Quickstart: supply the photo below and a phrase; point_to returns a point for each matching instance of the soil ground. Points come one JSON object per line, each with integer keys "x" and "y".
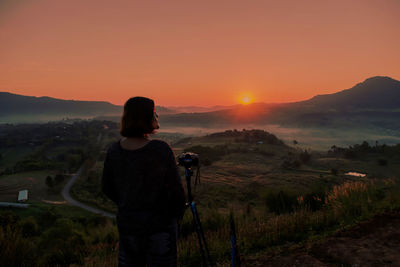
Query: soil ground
{"x": 372, "y": 243}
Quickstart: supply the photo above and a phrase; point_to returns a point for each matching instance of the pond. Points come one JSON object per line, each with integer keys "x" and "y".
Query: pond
{"x": 357, "y": 174}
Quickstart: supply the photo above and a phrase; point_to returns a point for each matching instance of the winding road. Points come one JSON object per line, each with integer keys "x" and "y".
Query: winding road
{"x": 69, "y": 199}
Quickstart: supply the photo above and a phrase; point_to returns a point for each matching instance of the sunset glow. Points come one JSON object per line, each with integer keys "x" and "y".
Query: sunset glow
{"x": 246, "y": 100}
{"x": 183, "y": 52}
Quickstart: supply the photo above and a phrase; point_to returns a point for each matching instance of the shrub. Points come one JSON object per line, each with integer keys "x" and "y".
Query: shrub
{"x": 314, "y": 201}
{"x": 49, "y": 182}
{"x": 15, "y": 250}
{"x": 29, "y": 227}
{"x": 353, "y": 199}
{"x": 280, "y": 201}
{"x": 63, "y": 244}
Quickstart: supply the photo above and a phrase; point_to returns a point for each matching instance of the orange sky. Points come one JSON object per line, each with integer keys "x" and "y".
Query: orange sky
{"x": 195, "y": 52}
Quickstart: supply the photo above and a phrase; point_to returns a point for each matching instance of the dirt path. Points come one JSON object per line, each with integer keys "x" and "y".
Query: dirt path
{"x": 372, "y": 243}
{"x": 69, "y": 199}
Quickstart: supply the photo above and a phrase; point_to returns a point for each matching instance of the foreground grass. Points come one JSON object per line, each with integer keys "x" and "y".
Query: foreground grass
{"x": 290, "y": 212}
{"x": 46, "y": 235}
{"x": 266, "y": 221}
{"x": 343, "y": 206}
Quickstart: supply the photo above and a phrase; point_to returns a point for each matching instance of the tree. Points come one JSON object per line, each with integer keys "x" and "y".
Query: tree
{"x": 305, "y": 157}
{"x": 49, "y": 181}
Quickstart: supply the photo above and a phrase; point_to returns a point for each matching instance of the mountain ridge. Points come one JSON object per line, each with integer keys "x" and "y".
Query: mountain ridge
{"x": 374, "y": 93}
{"x": 16, "y": 106}
{"x": 363, "y": 95}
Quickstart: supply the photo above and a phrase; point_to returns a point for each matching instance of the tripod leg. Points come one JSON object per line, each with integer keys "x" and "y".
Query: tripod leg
{"x": 199, "y": 229}
{"x": 199, "y": 237}
{"x": 200, "y": 234}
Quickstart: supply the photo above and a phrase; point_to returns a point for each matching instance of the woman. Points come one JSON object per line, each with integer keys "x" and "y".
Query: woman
{"x": 141, "y": 176}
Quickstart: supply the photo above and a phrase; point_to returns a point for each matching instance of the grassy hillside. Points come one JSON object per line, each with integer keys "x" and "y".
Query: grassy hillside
{"x": 281, "y": 196}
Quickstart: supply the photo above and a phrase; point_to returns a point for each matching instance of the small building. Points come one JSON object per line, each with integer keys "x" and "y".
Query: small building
{"x": 23, "y": 196}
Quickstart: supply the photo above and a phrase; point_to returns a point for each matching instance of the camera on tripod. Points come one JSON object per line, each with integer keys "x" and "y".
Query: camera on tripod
{"x": 188, "y": 159}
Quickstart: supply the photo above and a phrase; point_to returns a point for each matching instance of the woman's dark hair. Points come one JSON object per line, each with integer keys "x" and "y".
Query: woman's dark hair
{"x": 137, "y": 119}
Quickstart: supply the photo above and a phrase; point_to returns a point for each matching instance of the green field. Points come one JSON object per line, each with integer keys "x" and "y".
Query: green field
{"x": 281, "y": 195}
{"x": 10, "y": 156}
{"x": 237, "y": 172}
{"x": 34, "y": 182}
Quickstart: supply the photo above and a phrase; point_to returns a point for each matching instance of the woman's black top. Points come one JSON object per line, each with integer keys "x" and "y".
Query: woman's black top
{"x": 145, "y": 185}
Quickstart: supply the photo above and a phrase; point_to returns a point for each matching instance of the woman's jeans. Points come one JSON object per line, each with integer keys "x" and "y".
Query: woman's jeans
{"x": 156, "y": 249}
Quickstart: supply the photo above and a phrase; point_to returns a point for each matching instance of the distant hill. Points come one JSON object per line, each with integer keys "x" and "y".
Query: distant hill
{"x": 376, "y": 102}
{"x": 253, "y": 136}
{"x": 374, "y": 93}
{"x": 20, "y": 108}
{"x": 372, "y": 103}
{"x": 20, "y": 104}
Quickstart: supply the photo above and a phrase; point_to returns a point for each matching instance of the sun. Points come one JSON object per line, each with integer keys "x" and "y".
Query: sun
{"x": 245, "y": 99}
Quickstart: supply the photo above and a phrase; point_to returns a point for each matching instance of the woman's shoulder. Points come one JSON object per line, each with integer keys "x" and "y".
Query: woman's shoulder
{"x": 162, "y": 149}
{"x": 161, "y": 145}
{"x": 114, "y": 146}
{"x": 155, "y": 150}
{"x": 114, "y": 149}
{"x": 157, "y": 144}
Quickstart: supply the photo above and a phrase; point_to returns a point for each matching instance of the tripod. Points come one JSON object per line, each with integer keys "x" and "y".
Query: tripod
{"x": 205, "y": 254}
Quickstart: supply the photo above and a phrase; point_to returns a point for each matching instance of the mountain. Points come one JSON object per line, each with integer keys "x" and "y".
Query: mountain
{"x": 12, "y": 104}
{"x": 20, "y": 108}
{"x": 374, "y": 102}
{"x": 374, "y": 93}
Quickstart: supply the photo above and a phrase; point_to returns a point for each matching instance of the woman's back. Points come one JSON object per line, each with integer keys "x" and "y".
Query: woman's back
{"x": 145, "y": 185}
